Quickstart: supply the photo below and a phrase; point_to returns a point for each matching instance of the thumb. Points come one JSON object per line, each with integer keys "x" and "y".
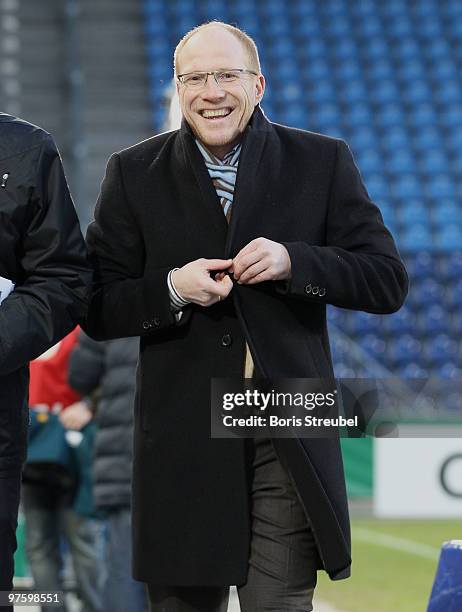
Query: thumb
{"x": 226, "y": 284}
{"x": 217, "y": 264}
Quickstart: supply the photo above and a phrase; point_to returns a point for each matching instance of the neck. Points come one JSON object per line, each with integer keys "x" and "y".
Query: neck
{"x": 220, "y": 151}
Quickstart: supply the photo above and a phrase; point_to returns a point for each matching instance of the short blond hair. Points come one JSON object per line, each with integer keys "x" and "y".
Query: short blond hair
{"x": 247, "y": 42}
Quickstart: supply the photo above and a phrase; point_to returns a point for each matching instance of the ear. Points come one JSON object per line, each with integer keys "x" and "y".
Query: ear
{"x": 260, "y": 88}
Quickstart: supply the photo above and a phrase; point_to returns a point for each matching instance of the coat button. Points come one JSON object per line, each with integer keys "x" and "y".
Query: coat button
{"x": 322, "y": 292}
{"x": 146, "y": 325}
{"x": 156, "y": 322}
{"x": 307, "y": 288}
{"x": 226, "y": 340}
{"x": 315, "y": 290}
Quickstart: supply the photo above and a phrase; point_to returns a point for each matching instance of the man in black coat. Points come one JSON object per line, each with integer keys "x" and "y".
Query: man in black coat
{"x": 44, "y": 279}
{"x": 220, "y": 244}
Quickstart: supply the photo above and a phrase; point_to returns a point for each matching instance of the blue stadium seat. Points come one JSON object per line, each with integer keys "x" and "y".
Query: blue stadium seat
{"x": 338, "y": 28}
{"x": 279, "y": 31}
{"x": 363, "y": 136}
{"x": 412, "y": 370}
{"x": 404, "y": 349}
{"x": 451, "y": 370}
{"x": 449, "y": 238}
{"x": 369, "y": 27}
{"x": 456, "y": 323}
{"x": 447, "y": 93}
{"x": 400, "y": 162}
{"x": 275, "y": 9}
{"x": 454, "y": 296}
{"x": 378, "y": 71}
{"x": 440, "y": 186}
{"x": 446, "y": 212}
{"x": 358, "y": 114}
{"x": 427, "y": 292}
{"x": 385, "y": 91}
{"x": 416, "y": 91}
{"x": 433, "y": 320}
{"x": 401, "y": 322}
{"x": 406, "y": 186}
{"x": 440, "y": 349}
{"x": 436, "y": 50}
{"x": 433, "y": 160}
{"x": 421, "y": 265}
{"x": 395, "y": 137}
{"x": 359, "y": 323}
{"x": 427, "y": 138}
{"x": 423, "y": 114}
{"x": 389, "y": 115}
{"x": 364, "y": 8}
{"x": 411, "y": 70}
{"x": 374, "y": 345}
{"x": 450, "y": 265}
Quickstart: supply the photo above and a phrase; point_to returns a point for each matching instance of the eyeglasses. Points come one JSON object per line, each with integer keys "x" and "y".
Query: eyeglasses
{"x": 197, "y": 80}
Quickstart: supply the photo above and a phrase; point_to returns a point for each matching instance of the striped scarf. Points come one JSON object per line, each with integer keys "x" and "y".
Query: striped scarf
{"x": 223, "y": 174}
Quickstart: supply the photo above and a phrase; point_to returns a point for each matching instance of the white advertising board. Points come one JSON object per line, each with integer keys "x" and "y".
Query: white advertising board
{"x": 418, "y": 477}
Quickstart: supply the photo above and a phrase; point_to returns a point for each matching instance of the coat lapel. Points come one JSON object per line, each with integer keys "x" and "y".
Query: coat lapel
{"x": 207, "y": 209}
{"x": 256, "y": 174}
{"x": 257, "y": 170}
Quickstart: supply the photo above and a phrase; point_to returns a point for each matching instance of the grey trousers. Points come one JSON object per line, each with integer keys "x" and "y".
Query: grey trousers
{"x": 283, "y": 555}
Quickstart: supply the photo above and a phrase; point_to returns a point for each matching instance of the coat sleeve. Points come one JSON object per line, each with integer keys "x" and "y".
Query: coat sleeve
{"x": 51, "y": 297}
{"x": 127, "y": 299}
{"x": 86, "y": 365}
{"x": 359, "y": 267}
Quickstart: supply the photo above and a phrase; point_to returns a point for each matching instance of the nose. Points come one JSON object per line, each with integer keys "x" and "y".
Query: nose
{"x": 212, "y": 90}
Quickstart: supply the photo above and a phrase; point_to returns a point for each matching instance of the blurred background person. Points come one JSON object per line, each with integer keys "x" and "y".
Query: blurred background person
{"x": 109, "y": 368}
{"x": 53, "y": 480}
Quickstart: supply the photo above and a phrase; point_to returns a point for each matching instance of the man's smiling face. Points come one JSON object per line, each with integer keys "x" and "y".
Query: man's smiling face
{"x": 218, "y": 114}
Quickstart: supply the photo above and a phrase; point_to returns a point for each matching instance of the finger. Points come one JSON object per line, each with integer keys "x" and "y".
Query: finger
{"x": 226, "y": 285}
{"x": 259, "y": 278}
{"x": 213, "y": 289}
{"x": 251, "y": 246}
{"x": 246, "y": 262}
{"x": 252, "y": 271}
{"x": 217, "y": 264}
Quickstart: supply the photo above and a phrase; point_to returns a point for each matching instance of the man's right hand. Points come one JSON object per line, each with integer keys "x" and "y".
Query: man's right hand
{"x": 194, "y": 283}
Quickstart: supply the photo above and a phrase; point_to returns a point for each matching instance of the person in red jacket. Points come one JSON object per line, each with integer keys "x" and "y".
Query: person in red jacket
{"x": 48, "y": 388}
{"x": 47, "y": 499}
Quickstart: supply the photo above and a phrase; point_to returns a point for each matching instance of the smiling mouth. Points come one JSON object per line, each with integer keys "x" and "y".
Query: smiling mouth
{"x": 213, "y": 114}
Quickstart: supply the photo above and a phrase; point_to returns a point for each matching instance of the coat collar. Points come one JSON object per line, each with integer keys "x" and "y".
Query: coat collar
{"x": 246, "y": 194}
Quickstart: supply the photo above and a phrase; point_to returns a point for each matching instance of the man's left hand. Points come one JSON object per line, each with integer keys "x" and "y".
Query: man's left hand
{"x": 261, "y": 260}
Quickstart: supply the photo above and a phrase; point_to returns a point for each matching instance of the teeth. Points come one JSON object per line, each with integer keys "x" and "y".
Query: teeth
{"x": 221, "y": 112}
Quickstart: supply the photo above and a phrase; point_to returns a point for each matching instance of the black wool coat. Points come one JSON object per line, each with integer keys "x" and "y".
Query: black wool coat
{"x": 157, "y": 210}
{"x": 42, "y": 251}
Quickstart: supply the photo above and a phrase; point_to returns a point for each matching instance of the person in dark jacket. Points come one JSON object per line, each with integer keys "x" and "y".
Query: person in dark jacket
{"x": 220, "y": 244}
{"x": 109, "y": 369}
{"x": 44, "y": 281}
